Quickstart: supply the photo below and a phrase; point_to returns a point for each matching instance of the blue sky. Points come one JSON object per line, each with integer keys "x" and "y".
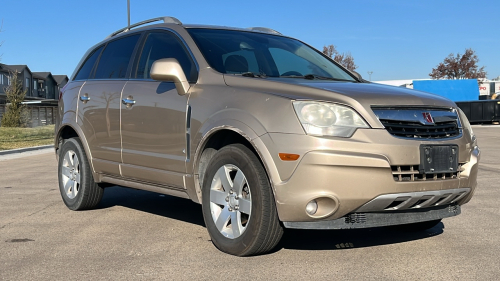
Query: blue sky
{"x": 396, "y": 39}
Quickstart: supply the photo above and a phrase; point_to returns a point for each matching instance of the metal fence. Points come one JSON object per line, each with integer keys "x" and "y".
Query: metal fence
{"x": 38, "y": 115}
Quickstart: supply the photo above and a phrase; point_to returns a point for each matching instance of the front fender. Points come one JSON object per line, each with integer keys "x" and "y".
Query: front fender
{"x": 232, "y": 120}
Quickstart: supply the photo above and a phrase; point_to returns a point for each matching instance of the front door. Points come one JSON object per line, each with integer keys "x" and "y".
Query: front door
{"x": 153, "y": 116}
{"x": 153, "y": 133}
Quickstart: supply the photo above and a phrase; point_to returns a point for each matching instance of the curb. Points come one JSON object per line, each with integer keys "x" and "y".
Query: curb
{"x": 26, "y": 149}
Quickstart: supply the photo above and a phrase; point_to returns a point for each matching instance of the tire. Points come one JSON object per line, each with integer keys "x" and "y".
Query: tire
{"x": 76, "y": 182}
{"x": 416, "y": 227}
{"x": 241, "y": 220}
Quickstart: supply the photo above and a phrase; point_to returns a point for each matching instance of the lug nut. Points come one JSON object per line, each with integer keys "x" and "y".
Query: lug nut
{"x": 230, "y": 209}
{"x": 231, "y": 191}
{"x": 236, "y": 207}
{"x": 227, "y": 199}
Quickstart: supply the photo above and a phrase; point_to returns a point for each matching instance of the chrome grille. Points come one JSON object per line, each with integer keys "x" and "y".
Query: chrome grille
{"x": 420, "y": 123}
{"x": 411, "y": 173}
{"x": 416, "y": 130}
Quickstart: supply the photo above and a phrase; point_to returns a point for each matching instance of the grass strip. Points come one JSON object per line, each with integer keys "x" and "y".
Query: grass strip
{"x": 13, "y": 138}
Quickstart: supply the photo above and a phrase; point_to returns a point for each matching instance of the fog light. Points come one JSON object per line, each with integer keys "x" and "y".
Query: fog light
{"x": 312, "y": 207}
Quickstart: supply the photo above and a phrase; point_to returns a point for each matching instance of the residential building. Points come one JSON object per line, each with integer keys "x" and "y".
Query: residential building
{"x": 42, "y": 92}
{"x": 24, "y": 75}
{"x": 45, "y": 85}
{"x": 61, "y": 80}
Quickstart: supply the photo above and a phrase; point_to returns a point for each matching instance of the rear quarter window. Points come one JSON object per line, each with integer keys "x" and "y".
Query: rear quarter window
{"x": 88, "y": 66}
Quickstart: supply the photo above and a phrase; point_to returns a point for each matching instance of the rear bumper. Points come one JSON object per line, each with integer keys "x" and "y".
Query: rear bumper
{"x": 367, "y": 220}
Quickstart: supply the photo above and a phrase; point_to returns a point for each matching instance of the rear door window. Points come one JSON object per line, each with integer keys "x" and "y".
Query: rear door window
{"x": 115, "y": 58}
{"x": 88, "y": 66}
{"x": 160, "y": 45}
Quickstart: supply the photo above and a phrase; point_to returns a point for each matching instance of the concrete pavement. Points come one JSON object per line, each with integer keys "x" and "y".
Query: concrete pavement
{"x": 138, "y": 235}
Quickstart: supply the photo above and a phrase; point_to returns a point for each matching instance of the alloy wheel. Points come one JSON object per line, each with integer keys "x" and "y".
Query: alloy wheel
{"x": 70, "y": 171}
{"x": 230, "y": 201}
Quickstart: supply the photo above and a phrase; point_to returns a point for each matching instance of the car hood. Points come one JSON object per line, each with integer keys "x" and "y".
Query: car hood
{"x": 378, "y": 94}
{"x": 371, "y": 94}
{"x": 360, "y": 96}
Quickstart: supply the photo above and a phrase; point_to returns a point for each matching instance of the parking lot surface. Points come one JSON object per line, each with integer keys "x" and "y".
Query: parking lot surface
{"x": 139, "y": 235}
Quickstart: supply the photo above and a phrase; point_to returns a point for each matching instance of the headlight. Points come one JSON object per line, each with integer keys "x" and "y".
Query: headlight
{"x": 328, "y": 119}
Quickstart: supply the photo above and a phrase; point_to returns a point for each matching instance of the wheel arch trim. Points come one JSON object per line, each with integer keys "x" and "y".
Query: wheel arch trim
{"x": 248, "y": 134}
{"x": 83, "y": 140}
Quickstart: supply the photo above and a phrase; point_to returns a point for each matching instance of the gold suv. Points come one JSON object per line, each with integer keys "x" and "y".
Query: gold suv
{"x": 263, "y": 130}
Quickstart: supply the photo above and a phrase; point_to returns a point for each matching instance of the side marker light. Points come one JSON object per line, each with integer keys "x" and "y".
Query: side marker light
{"x": 289, "y": 156}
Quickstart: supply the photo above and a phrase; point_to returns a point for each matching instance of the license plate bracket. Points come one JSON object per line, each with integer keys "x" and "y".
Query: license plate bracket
{"x": 438, "y": 159}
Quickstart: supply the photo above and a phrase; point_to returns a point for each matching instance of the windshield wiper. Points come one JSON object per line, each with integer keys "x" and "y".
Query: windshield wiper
{"x": 251, "y": 74}
{"x": 314, "y": 76}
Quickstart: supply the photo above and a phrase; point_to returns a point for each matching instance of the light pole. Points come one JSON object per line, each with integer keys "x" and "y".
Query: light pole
{"x": 370, "y": 75}
{"x": 128, "y": 13}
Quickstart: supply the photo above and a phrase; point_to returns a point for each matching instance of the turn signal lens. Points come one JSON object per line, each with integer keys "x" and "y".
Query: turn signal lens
{"x": 289, "y": 156}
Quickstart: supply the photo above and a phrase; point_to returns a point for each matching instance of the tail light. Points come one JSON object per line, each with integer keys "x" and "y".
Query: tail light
{"x": 61, "y": 91}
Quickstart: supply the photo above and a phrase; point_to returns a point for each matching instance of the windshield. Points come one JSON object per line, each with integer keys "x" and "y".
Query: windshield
{"x": 240, "y": 52}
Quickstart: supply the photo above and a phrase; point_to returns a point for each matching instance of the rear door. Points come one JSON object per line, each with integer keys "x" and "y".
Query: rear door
{"x": 154, "y": 120}
{"x": 99, "y": 104}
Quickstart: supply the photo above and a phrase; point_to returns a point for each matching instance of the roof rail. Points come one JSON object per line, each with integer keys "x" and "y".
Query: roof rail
{"x": 264, "y": 30}
{"x": 164, "y": 19}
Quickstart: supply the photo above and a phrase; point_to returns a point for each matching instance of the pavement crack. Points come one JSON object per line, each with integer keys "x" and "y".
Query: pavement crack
{"x": 43, "y": 209}
{"x": 5, "y": 225}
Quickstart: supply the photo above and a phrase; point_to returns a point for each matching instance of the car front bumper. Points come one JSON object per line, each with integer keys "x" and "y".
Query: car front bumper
{"x": 345, "y": 174}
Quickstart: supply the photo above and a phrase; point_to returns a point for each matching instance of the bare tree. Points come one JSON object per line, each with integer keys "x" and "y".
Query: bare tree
{"x": 459, "y": 67}
{"x": 344, "y": 59}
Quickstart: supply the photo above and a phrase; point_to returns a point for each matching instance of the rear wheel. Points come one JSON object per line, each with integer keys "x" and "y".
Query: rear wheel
{"x": 238, "y": 203}
{"x": 76, "y": 183}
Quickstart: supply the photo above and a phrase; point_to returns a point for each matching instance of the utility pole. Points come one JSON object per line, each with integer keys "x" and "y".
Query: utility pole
{"x": 370, "y": 75}
{"x": 128, "y": 13}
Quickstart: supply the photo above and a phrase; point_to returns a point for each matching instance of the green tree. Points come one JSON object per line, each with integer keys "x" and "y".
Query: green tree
{"x": 16, "y": 113}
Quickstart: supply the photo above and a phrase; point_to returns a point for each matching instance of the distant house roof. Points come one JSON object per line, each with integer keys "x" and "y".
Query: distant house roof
{"x": 60, "y": 79}
{"x": 18, "y": 68}
{"x": 42, "y": 75}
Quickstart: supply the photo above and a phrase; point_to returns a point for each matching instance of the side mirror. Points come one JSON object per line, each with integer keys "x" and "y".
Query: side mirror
{"x": 170, "y": 70}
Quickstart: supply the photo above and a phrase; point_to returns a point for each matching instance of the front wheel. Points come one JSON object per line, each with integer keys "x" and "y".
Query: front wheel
{"x": 238, "y": 203}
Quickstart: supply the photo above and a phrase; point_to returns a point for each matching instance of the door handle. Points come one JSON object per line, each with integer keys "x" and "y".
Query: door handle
{"x": 129, "y": 101}
{"x": 85, "y": 98}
